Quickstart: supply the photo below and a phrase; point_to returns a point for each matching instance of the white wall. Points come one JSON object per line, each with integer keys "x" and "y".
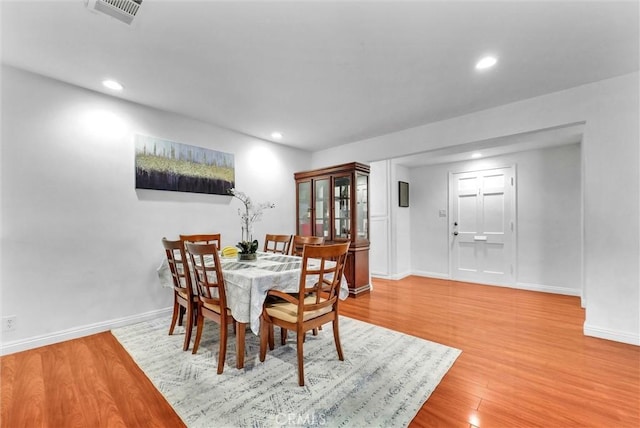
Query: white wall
{"x": 548, "y": 217}
{"x": 401, "y": 231}
{"x": 611, "y": 182}
{"x": 430, "y": 242}
{"x": 390, "y": 251}
{"x": 67, "y": 184}
{"x": 379, "y": 219}
{"x": 80, "y": 246}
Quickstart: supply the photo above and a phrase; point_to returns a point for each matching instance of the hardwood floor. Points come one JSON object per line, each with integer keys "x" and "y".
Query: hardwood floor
{"x": 87, "y": 382}
{"x": 524, "y": 362}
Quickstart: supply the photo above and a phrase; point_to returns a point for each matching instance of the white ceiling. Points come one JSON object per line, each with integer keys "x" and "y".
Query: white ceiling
{"x": 325, "y": 73}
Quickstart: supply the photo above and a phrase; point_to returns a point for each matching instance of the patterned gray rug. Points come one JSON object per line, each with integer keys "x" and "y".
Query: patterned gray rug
{"x": 384, "y": 380}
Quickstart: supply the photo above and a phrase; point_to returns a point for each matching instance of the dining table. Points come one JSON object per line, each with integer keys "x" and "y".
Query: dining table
{"x": 247, "y": 283}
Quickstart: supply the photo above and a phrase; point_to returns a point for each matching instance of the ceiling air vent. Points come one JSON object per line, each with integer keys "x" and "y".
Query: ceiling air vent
{"x": 122, "y": 10}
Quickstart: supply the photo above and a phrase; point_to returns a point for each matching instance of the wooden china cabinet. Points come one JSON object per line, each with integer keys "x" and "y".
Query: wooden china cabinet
{"x": 333, "y": 202}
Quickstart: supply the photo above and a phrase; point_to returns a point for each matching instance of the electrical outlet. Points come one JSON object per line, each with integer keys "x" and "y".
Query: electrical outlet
{"x": 9, "y": 323}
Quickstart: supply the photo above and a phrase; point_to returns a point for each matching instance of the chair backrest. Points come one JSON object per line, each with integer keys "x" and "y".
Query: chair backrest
{"x": 277, "y": 244}
{"x": 322, "y": 269}
{"x": 178, "y": 266}
{"x": 207, "y": 273}
{"x": 299, "y": 241}
{"x": 203, "y": 238}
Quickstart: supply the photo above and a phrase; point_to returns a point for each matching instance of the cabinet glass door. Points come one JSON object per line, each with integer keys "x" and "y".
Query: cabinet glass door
{"x": 304, "y": 208}
{"x": 342, "y": 207}
{"x": 322, "y": 207}
{"x": 362, "y": 214}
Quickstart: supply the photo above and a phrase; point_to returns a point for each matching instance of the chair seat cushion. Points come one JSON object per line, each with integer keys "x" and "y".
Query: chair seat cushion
{"x": 214, "y": 308}
{"x": 289, "y": 312}
{"x": 185, "y": 297}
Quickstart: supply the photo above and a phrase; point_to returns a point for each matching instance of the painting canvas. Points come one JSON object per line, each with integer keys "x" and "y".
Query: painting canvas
{"x": 166, "y": 165}
{"x": 403, "y": 194}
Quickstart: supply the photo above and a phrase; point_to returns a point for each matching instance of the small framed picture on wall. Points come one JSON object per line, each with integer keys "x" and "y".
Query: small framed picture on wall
{"x": 403, "y": 194}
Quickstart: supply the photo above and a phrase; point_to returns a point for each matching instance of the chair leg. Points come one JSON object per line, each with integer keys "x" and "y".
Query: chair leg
{"x": 187, "y": 335}
{"x": 271, "y": 337}
{"x": 283, "y": 335}
{"x": 181, "y": 315}
{"x": 336, "y": 338}
{"x": 240, "y": 329}
{"x": 300, "y": 342}
{"x": 222, "y": 353}
{"x": 198, "y": 333}
{"x": 265, "y": 328}
{"x": 174, "y": 317}
{"x": 315, "y": 330}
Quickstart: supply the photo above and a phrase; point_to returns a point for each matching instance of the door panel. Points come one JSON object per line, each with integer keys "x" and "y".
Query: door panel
{"x": 467, "y": 257}
{"x": 468, "y": 214}
{"x": 483, "y": 239}
{"x": 494, "y": 259}
{"x": 494, "y": 214}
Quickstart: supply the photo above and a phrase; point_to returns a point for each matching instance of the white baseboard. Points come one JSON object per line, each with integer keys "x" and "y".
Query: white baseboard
{"x": 548, "y": 289}
{"x": 428, "y": 274}
{"x": 380, "y": 275}
{"x": 608, "y": 334}
{"x": 399, "y": 276}
{"x": 520, "y": 285}
{"x": 537, "y": 287}
{"x": 76, "y": 332}
{"x": 395, "y": 277}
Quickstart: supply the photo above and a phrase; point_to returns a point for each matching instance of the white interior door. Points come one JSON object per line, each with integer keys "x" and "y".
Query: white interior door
{"x": 482, "y": 226}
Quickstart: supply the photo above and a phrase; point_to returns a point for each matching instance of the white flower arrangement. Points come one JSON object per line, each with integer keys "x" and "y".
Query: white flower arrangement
{"x": 248, "y": 216}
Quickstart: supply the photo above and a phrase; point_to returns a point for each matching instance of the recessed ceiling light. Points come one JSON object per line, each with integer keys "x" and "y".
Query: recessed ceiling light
{"x": 486, "y": 62}
{"x": 276, "y": 135}
{"x": 476, "y": 155}
{"x": 112, "y": 84}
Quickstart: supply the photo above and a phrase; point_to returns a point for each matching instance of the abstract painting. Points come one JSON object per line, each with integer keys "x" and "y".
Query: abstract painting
{"x": 166, "y": 165}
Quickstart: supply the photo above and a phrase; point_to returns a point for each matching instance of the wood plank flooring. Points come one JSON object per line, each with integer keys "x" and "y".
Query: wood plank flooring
{"x": 524, "y": 363}
{"x": 87, "y": 382}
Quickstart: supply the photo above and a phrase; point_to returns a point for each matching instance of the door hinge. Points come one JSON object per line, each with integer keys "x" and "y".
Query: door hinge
{"x": 512, "y": 226}
{"x": 512, "y": 181}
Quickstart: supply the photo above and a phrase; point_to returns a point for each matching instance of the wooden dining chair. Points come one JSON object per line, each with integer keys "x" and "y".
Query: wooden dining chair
{"x": 277, "y": 244}
{"x": 316, "y": 302}
{"x": 299, "y": 241}
{"x": 212, "y": 300}
{"x": 297, "y": 246}
{"x": 184, "y": 297}
{"x": 203, "y": 238}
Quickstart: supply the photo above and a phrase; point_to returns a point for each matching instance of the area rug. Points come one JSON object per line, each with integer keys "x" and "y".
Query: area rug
{"x": 384, "y": 380}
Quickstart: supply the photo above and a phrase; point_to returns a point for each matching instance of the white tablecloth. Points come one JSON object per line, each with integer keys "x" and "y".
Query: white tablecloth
{"x": 247, "y": 283}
